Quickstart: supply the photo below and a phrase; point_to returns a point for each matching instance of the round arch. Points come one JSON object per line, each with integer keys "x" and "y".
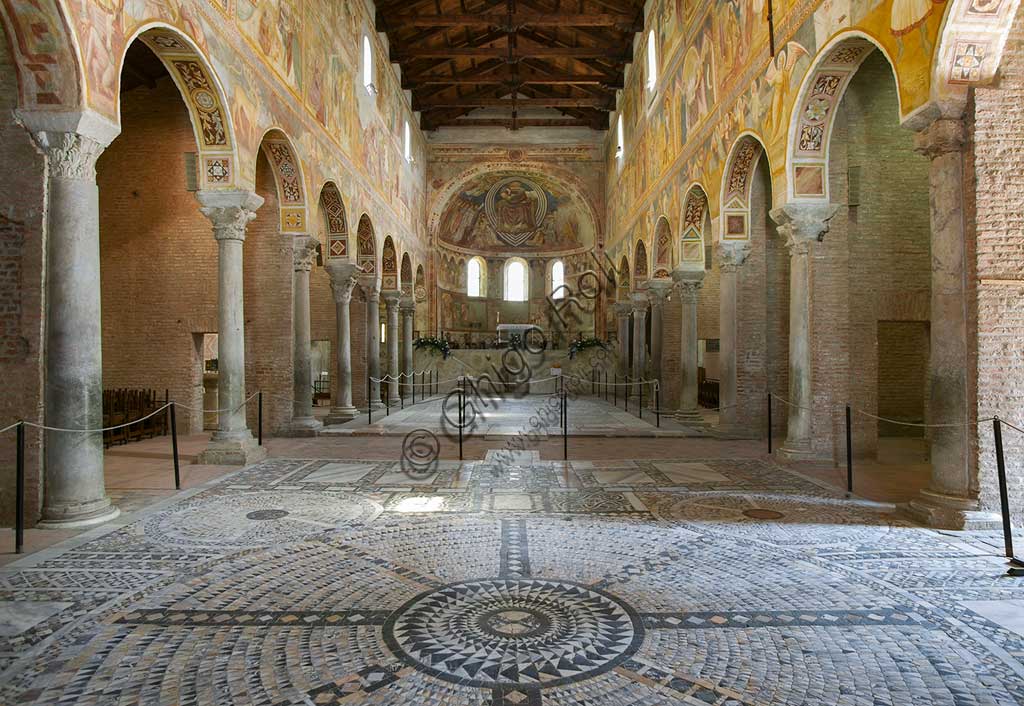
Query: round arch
{"x": 389, "y": 265}
{"x": 664, "y": 251}
{"x": 288, "y": 176}
{"x": 46, "y": 58}
{"x": 737, "y": 182}
{"x": 204, "y": 98}
{"x": 822, "y": 90}
{"x": 641, "y": 267}
{"x": 366, "y": 246}
{"x": 333, "y": 207}
{"x": 693, "y": 238}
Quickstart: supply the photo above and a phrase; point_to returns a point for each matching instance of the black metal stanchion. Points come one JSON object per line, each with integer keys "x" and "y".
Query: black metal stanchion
{"x": 259, "y": 417}
{"x": 593, "y": 382}
{"x": 461, "y": 411}
{"x": 414, "y": 387}
{"x": 174, "y": 447}
{"x": 657, "y": 405}
{"x": 1016, "y": 565}
{"x": 401, "y": 397}
{"x": 640, "y": 408}
{"x": 369, "y": 401}
{"x": 604, "y": 373}
{"x": 849, "y": 452}
{"x": 565, "y": 427}
{"x": 769, "y": 424}
{"x": 387, "y": 399}
{"x": 19, "y": 490}
{"x": 615, "y": 390}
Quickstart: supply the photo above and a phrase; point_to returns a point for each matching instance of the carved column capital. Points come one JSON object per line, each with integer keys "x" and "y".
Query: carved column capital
{"x": 622, "y": 309}
{"x": 342, "y": 289}
{"x": 803, "y": 223}
{"x": 732, "y": 255}
{"x": 407, "y": 305}
{"x": 942, "y": 136}
{"x": 639, "y": 303}
{"x": 229, "y": 211}
{"x": 658, "y": 291}
{"x": 69, "y": 155}
{"x": 303, "y": 252}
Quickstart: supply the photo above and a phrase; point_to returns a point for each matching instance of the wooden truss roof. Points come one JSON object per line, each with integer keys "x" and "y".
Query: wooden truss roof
{"x": 508, "y": 56}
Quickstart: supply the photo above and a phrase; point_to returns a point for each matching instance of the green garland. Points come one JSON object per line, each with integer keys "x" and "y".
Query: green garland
{"x": 439, "y": 344}
{"x": 581, "y": 344}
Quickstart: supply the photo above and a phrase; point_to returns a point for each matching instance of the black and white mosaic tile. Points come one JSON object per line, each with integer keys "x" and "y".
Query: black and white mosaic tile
{"x": 650, "y": 583}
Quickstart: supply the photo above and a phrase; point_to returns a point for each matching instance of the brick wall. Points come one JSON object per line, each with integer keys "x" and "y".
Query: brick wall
{"x": 268, "y": 291}
{"x": 158, "y": 254}
{"x": 902, "y": 379}
{"x": 998, "y": 168}
{"x": 874, "y": 265}
{"x": 21, "y": 295}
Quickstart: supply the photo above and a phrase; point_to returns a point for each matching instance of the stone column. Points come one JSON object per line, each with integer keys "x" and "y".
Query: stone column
{"x": 731, "y": 258}
{"x": 343, "y": 281}
{"x": 408, "y": 308}
{"x": 622, "y": 310}
{"x": 951, "y": 499}
{"x": 688, "y": 285}
{"x": 802, "y": 225}
{"x": 230, "y": 212}
{"x": 639, "y": 340}
{"x": 657, "y": 292}
{"x": 303, "y": 422}
{"x": 74, "y": 490}
{"x": 371, "y": 287}
{"x": 391, "y": 299}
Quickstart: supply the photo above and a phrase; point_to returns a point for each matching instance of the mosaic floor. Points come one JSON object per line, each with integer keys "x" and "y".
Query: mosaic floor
{"x": 513, "y": 583}
{"x": 489, "y": 416}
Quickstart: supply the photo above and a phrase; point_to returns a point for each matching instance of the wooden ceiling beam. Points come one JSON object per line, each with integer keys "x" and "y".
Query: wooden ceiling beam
{"x": 622, "y": 22}
{"x": 512, "y": 103}
{"x": 554, "y": 79}
{"x": 515, "y": 123}
{"x": 605, "y": 53}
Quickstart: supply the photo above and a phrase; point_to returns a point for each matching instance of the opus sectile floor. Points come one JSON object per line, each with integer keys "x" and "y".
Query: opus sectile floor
{"x": 520, "y": 583}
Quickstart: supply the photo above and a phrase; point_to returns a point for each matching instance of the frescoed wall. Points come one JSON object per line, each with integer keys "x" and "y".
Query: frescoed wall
{"x": 718, "y": 80}
{"x": 245, "y": 66}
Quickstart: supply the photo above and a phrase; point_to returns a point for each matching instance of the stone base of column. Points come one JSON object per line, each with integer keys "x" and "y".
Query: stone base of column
{"x": 76, "y": 515}
{"x": 303, "y": 426}
{"x": 796, "y": 450}
{"x": 376, "y": 404}
{"x": 690, "y": 418}
{"x": 232, "y": 449}
{"x": 950, "y": 512}
{"x": 340, "y": 415}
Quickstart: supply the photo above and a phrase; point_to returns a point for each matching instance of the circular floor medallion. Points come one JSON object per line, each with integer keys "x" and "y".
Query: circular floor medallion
{"x": 266, "y": 514}
{"x": 500, "y": 632}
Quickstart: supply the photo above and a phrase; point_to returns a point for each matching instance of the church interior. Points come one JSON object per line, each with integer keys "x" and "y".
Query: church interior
{"x": 512, "y": 352}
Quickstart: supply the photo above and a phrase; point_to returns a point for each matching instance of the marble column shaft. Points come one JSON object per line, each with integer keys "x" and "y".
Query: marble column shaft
{"x": 372, "y": 291}
{"x": 951, "y": 499}
{"x": 639, "y": 341}
{"x": 731, "y": 258}
{"x": 230, "y": 212}
{"x": 74, "y": 489}
{"x": 657, "y": 292}
{"x": 304, "y": 253}
{"x": 622, "y": 310}
{"x": 343, "y": 282}
{"x": 408, "y": 309}
{"x": 802, "y": 225}
{"x": 391, "y": 299}
{"x": 688, "y": 286}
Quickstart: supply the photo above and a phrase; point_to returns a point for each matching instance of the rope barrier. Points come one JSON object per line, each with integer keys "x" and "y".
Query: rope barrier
{"x": 921, "y": 425}
{"x": 96, "y": 431}
{"x": 246, "y": 401}
{"x": 786, "y": 402}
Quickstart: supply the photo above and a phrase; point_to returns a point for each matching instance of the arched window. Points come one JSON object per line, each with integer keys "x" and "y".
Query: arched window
{"x": 408, "y": 143}
{"x": 652, "y": 61}
{"x": 368, "y": 67}
{"x": 476, "y": 278}
{"x": 620, "y": 135}
{"x": 558, "y": 280}
{"x": 516, "y": 280}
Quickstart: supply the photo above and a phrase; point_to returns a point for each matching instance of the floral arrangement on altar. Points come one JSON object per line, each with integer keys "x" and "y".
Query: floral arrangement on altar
{"x": 441, "y": 345}
{"x": 581, "y": 344}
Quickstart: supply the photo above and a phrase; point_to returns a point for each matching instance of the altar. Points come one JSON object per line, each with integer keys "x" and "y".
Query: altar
{"x": 506, "y": 331}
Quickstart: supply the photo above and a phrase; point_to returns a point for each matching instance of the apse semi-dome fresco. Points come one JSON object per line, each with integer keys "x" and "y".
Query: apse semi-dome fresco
{"x": 509, "y": 211}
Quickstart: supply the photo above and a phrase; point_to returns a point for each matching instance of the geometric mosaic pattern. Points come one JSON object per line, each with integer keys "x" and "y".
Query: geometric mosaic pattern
{"x": 597, "y": 583}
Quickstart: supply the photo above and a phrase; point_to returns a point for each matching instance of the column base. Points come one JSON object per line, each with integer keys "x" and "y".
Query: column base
{"x": 76, "y": 515}
{"x": 796, "y": 450}
{"x": 340, "y": 415}
{"x": 690, "y": 418}
{"x": 950, "y": 512}
{"x": 376, "y": 404}
{"x": 232, "y": 449}
{"x": 303, "y": 426}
